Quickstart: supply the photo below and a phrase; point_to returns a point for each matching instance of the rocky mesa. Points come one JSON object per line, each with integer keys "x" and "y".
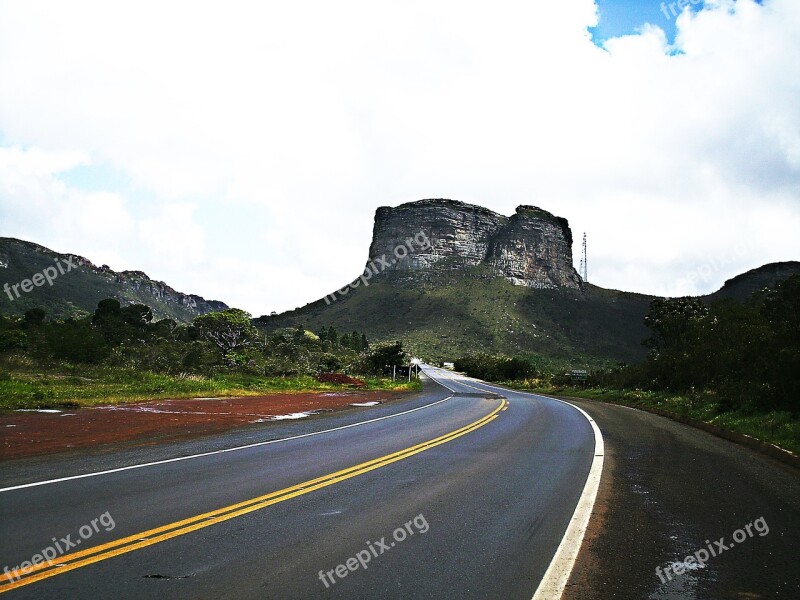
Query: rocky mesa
{"x": 531, "y": 248}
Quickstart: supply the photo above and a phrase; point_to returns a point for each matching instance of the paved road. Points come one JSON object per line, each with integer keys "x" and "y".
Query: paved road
{"x": 666, "y": 489}
{"x": 462, "y": 492}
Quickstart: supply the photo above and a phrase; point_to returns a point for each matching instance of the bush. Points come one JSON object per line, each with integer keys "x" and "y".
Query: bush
{"x": 381, "y": 358}
{"x": 76, "y": 341}
{"x": 13, "y": 339}
{"x": 495, "y": 368}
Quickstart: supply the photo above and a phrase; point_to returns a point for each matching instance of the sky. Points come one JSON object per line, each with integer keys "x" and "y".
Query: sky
{"x": 239, "y": 150}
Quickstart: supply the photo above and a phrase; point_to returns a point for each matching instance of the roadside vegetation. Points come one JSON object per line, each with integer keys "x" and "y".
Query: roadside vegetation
{"x": 119, "y": 354}
{"x": 732, "y": 364}
{"x": 459, "y": 311}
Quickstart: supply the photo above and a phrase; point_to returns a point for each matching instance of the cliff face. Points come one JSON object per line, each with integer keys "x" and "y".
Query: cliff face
{"x": 78, "y": 291}
{"x": 138, "y": 283}
{"x": 532, "y": 248}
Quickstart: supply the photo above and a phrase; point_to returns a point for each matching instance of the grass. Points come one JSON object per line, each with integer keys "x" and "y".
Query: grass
{"x": 67, "y": 385}
{"x": 780, "y": 428}
{"x": 441, "y": 316}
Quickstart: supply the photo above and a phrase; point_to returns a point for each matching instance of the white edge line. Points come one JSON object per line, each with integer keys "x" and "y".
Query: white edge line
{"x": 557, "y": 575}
{"x": 192, "y": 456}
{"x": 439, "y": 382}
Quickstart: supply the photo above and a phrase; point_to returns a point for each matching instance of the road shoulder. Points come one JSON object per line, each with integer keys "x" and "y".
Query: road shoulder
{"x": 666, "y": 488}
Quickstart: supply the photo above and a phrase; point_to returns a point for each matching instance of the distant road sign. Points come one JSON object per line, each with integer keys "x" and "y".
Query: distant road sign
{"x": 580, "y": 375}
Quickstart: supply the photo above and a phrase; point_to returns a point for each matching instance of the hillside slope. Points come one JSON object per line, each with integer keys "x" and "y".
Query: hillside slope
{"x": 743, "y": 286}
{"x": 82, "y": 285}
{"x": 457, "y": 278}
{"x": 470, "y": 310}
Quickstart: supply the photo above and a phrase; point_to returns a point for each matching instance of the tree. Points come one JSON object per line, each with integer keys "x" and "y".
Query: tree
{"x": 495, "y": 368}
{"x": 384, "y": 356}
{"x": 34, "y": 317}
{"x": 781, "y": 310}
{"x": 345, "y": 341}
{"x": 108, "y": 318}
{"x": 228, "y": 330}
{"x": 671, "y": 320}
{"x": 108, "y": 309}
{"x": 165, "y": 328}
{"x": 136, "y": 314}
{"x": 76, "y": 341}
{"x": 678, "y": 326}
{"x": 333, "y": 335}
{"x": 12, "y": 339}
{"x": 355, "y": 341}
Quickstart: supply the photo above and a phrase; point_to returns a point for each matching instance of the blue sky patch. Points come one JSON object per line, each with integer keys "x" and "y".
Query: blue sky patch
{"x": 624, "y": 17}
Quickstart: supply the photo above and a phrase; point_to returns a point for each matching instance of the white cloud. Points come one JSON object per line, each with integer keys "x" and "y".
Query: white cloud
{"x": 259, "y": 139}
{"x": 174, "y": 236}
{"x": 40, "y": 207}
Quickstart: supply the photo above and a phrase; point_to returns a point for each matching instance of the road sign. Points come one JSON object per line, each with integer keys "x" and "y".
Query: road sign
{"x": 579, "y": 375}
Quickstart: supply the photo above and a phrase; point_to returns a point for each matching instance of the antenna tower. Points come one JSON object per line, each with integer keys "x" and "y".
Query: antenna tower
{"x": 584, "y": 269}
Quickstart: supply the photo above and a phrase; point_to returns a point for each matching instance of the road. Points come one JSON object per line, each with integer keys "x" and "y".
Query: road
{"x": 667, "y": 490}
{"x": 488, "y": 488}
{"x": 458, "y": 491}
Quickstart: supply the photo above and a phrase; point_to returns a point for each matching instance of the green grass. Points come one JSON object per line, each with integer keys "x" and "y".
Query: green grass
{"x": 22, "y": 387}
{"x": 441, "y": 316}
{"x": 775, "y": 427}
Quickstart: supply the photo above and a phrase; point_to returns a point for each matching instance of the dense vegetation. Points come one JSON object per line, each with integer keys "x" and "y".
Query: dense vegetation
{"x": 448, "y": 315}
{"x": 748, "y": 353}
{"x": 121, "y": 352}
{"x": 736, "y": 364}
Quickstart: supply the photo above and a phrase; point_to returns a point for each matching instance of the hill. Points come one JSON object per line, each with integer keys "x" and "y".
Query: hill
{"x": 78, "y": 285}
{"x": 448, "y": 278}
{"x": 743, "y": 286}
{"x": 472, "y": 310}
{"x": 451, "y": 278}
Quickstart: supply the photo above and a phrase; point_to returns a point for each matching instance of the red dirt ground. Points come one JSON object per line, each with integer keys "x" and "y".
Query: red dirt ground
{"x": 148, "y": 423}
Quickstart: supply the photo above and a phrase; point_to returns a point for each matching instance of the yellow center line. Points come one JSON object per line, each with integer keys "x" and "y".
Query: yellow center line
{"x": 71, "y": 561}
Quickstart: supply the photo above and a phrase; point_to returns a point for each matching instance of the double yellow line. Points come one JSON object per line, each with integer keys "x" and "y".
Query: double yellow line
{"x": 75, "y": 560}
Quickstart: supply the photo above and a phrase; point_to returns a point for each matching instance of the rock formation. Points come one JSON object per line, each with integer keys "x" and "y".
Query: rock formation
{"x": 531, "y": 248}
{"x": 87, "y": 284}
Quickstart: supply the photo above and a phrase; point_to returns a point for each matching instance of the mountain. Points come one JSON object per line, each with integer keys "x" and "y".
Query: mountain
{"x": 67, "y": 285}
{"x": 532, "y": 248}
{"x": 451, "y": 278}
{"x": 742, "y": 286}
{"x": 448, "y": 278}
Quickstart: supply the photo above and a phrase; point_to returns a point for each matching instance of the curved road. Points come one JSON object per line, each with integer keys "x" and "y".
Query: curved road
{"x": 461, "y": 491}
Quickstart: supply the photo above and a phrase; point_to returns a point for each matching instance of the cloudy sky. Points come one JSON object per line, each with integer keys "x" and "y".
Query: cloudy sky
{"x": 239, "y": 150}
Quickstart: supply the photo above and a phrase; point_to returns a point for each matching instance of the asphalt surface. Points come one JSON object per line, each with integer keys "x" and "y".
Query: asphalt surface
{"x": 469, "y": 496}
{"x": 666, "y": 489}
{"x": 483, "y": 510}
